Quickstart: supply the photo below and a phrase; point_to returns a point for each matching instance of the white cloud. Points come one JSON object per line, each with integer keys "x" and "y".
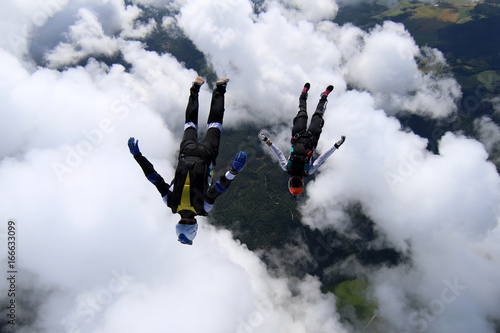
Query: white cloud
{"x": 67, "y": 159}
{"x": 386, "y": 67}
{"x": 312, "y": 11}
{"x": 131, "y": 28}
{"x": 88, "y": 38}
{"x": 437, "y": 208}
{"x": 489, "y": 135}
{"x": 268, "y": 57}
{"x": 20, "y": 18}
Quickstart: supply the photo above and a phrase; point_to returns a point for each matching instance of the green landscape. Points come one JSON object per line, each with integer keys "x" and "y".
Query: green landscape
{"x": 467, "y": 33}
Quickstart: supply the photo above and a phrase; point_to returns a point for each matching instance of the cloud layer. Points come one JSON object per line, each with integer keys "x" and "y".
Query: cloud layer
{"x": 97, "y": 246}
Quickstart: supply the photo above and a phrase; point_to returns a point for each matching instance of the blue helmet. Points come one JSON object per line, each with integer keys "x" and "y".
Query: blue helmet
{"x": 186, "y": 232}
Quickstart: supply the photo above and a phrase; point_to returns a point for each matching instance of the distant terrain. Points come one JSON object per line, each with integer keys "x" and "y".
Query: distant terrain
{"x": 466, "y": 33}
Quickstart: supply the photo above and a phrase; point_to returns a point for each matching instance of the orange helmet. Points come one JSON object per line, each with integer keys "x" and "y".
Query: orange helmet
{"x": 295, "y": 185}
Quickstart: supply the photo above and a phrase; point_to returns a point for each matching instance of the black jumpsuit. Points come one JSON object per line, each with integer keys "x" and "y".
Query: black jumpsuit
{"x": 190, "y": 148}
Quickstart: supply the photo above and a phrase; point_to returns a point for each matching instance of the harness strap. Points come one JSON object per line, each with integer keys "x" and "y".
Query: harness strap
{"x": 186, "y": 197}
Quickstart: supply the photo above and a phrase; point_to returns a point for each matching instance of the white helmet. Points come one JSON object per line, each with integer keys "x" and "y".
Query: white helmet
{"x": 186, "y": 232}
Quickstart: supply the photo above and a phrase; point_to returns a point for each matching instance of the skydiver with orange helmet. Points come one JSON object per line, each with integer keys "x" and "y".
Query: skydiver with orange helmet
{"x": 304, "y": 141}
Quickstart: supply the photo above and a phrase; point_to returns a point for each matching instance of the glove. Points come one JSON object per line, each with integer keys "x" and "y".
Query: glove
{"x": 265, "y": 139}
{"x": 340, "y": 142}
{"x": 239, "y": 161}
{"x": 133, "y": 145}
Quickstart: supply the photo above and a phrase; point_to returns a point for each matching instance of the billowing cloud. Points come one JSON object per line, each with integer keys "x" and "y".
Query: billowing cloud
{"x": 96, "y": 244}
{"x": 19, "y": 19}
{"x": 386, "y": 67}
{"x": 489, "y": 135}
{"x": 442, "y": 209}
{"x": 86, "y": 37}
{"x": 312, "y": 11}
{"x": 94, "y": 255}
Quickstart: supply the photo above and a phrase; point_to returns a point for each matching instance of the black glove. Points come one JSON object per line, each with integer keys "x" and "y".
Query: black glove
{"x": 340, "y": 142}
{"x": 264, "y": 138}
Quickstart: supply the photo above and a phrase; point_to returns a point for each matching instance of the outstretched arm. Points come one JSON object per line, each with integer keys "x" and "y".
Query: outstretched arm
{"x": 148, "y": 168}
{"x": 225, "y": 180}
{"x": 322, "y": 158}
{"x": 281, "y": 158}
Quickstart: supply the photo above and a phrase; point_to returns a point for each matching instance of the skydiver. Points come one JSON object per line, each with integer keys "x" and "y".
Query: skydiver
{"x": 304, "y": 141}
{"x": 192, "y": 192}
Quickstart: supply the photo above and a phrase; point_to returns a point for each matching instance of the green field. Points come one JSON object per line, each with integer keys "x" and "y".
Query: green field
{"x": 424, "y": 20}
{"x": 466, "y": 33}
{"x": 352, "y": 300}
